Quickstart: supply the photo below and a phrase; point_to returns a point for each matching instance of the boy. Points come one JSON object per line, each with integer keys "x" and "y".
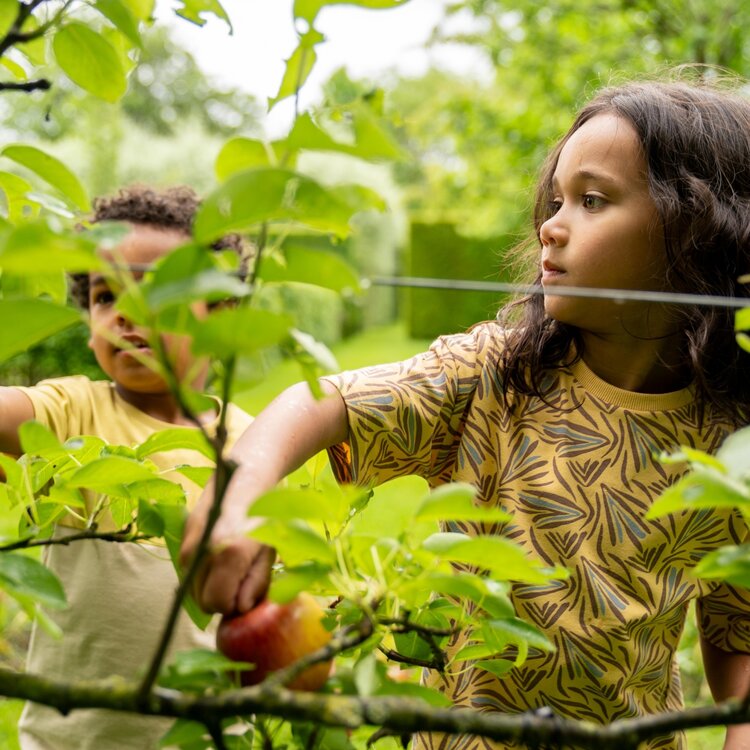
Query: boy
{"x": 118, "y": 594}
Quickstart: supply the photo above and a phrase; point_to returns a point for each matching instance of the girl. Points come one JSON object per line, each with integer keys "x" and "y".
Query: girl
{"x": 558, "y": 416}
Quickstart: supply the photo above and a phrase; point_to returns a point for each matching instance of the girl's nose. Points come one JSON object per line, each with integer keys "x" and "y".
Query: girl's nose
{"x": 553, "y": 231}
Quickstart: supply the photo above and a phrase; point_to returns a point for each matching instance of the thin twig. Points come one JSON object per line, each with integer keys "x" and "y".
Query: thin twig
{"x": 41, "y": 84}
{"x": 411, "y": 660}
{"x": 343, "y": 640}
{"x": 118, "y": 537}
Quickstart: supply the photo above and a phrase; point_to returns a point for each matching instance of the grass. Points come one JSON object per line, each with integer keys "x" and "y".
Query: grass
{"x": 386, "y": 344}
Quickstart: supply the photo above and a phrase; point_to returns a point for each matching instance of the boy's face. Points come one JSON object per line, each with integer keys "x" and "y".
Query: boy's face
{"x": 142, "y": 246}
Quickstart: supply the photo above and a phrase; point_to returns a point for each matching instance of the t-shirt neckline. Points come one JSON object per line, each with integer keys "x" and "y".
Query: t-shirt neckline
{"x": 621, "y": 397}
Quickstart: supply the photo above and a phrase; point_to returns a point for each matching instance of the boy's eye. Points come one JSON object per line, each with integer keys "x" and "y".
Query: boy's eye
{"x": 103, "y": 297}
{"x": 592, "y": 201}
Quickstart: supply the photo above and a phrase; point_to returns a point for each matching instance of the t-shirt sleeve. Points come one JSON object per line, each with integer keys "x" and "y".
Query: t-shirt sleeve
{"x": 64, "y": 405}
{"x": 724, "y": 618}
{"x": 407, "y": 417}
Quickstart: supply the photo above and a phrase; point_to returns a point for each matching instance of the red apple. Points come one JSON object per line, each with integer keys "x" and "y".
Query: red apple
{"x": 272, "y": 636}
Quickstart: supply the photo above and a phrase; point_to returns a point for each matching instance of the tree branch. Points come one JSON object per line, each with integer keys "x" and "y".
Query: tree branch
{"x": 399, "y": 714}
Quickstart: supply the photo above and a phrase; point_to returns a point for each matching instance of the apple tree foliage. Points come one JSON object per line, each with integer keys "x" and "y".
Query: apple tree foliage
{"x": 397, "y": 587}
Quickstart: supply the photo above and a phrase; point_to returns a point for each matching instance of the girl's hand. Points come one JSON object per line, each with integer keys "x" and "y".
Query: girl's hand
{"x": 235, "y": 573}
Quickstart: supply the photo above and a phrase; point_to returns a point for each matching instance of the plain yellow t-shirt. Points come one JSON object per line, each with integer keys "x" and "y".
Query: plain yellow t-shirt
{"x": 118, "y": 594}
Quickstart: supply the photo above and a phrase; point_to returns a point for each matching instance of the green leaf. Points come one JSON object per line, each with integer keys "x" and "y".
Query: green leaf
{"x": 308, "y": 266}
{"x": 25, "y": 576}
{"x": 184, "y": 733}
{"x": 298, "y": 66}
{"x": 194, "y": 10}
{"x": 498, "y": 667}
{"x": 34, "y": 50}
{"x": 121, "y": 17}
{"x": 90, "y": 61}
{"x": 198, "y": 474}
{"x": 370, "y": 140}
{"x": 16, "y": 70}
{"x": 512, "y": 630}
{"x": 286, "y": 503}
{"x": 31, "y": 247}
{"x": 701, "y": 489}
{"x": 366, "y": 674}
{"x": 143, "y": 10}
{"x": 39, "y": 440}
{"x": 240, "y": 154}
{"x": 359, "y": 198}
{"x": 211, "y": 285}
{"x": 321, "y": 355}
{"x": 734, "y": 454}
{"x": 8, "y": 14}
{"x": 263, "y": 195}
{"x": 51, "y": 170}
{"x": 504, "y": 559}
{"x": 308, "y": 9}
{"x": 295, "y": 542}
{"x": 241, "y": 330}
{"x": 104, "y": 473}
{"x": 175, "y": 438}
{"x": 742, "y": 319}
{"x": 157, "y": 489}
{"x": 455, "y": 502}
{"x": 174, "y": 517}
{"x": 291, "y": 581}
{"x": 743, "y": 340}
{"x": 13, "y": 472}
{"x": 19, "y": 206}
{"x": 33, "y": 321}
{"x": 410, "y": 690}
{"x": 149, "y": 520}
{"x": 730, "y": 563}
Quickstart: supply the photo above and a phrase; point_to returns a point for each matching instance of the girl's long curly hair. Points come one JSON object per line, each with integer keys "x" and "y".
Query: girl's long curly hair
{"x": 170, "y": 208}
{"x": 696, "y": 140}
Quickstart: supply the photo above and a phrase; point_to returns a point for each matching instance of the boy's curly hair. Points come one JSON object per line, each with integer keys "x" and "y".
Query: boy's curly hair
{"x": 169, "y": 208}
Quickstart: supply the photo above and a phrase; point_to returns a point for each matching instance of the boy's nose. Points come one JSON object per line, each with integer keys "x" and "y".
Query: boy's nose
{"x": 123, "y": 321}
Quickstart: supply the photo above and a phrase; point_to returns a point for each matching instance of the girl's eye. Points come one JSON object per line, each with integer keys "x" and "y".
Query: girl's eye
{"x": 554, "y": 206}
{"x": 592, "y": 201}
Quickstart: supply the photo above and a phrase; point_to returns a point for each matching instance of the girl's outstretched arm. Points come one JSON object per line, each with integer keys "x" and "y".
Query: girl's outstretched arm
{"x": 728, "y": 675}
{"x": 289, "y": 431}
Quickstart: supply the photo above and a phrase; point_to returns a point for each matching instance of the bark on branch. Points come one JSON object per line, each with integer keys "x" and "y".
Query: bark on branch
{"x": 397, "y": 714}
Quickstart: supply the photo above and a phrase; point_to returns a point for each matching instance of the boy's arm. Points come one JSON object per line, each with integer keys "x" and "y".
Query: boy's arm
{"x": 292, "y": 429}
{"x": 15, "y": 409}
{"x": 728, "y": 675}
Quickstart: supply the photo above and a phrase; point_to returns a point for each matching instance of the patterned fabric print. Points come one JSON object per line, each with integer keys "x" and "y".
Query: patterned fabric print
{"x": 578, "y": 472}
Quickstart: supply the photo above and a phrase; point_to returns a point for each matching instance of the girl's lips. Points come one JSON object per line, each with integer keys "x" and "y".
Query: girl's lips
{"x": 550, "y": 271}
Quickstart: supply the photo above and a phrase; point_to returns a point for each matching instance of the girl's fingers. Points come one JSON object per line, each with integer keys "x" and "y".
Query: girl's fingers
{"x": 255, "y": 585}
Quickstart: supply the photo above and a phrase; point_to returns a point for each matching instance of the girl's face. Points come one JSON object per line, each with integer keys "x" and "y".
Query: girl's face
{"x": 605, "y": 231}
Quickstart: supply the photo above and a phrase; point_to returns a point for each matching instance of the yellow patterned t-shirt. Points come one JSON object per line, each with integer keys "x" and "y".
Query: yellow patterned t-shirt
{"x": 577, "y": 472}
